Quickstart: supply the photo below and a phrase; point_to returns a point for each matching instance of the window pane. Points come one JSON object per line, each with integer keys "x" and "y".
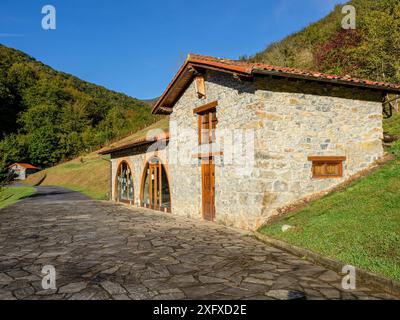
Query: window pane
{"x": 208, "y": 121}
{"x": 332, "y": 169}
{"x": 205, "y": 121}
{"x": 119, "y": 184}
{"x": 204, "y": 136}
{"x": 124, "y": 187}
{"x": 166, "y": 201}
{"x": 130, "y": 186}
{"x": 318, "y": 169}
{"x": 214, "y": 116}
{"x": 326, "y": 169}
{"x": 146, "y": 195}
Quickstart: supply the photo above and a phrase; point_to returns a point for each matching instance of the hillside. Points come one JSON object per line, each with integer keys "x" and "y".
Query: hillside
{"x": 89, "y": 173}
{"x": 371, "y": 51}
{"x": 49, "y": 116}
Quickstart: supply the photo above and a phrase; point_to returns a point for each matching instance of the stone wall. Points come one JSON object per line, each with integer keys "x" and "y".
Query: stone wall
{"x": 312, "y": 120}
{"x": 289, "y": 121}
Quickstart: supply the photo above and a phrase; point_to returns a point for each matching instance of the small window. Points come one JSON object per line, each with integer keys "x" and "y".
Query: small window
{"x": 207, "y": 117}
{"x": 327, "y": 167}
{"x": 207, "y": 126}
{"x": 200, "y": 86}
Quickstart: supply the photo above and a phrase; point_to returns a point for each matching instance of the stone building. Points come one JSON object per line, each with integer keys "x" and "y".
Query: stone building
{"x": 247, "y": 139}
{"x": 22, "y": 170}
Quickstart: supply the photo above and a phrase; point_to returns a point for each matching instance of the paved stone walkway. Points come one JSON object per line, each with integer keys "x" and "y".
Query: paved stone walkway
{"x": 105, "y": 251}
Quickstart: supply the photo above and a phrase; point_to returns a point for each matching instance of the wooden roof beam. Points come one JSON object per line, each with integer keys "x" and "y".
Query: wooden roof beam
{"x": 164, "y": 109}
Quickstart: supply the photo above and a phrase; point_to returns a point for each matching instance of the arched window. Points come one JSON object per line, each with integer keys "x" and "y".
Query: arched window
{"x": 155, "y": 186}
{"x": 124, "y": 183}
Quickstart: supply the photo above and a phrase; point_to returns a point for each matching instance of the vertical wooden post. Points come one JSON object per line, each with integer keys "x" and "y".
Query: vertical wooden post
{"x": 210, "y": 127}
{"x": 154, "y": 186}
{"x": 151, "y": 184}
{"x": 200, "y": 119}
{"x": 160, "y": 183}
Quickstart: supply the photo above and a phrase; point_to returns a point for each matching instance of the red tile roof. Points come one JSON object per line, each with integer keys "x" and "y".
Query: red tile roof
{"x": 24, "y": 165}
{"x": 254, "y": 67}
{"x": 180, "y": 81}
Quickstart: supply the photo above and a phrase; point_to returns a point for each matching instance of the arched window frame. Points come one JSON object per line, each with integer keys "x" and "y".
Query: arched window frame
{"x": 130, "y": 194}
{"x": 143, "y": 181}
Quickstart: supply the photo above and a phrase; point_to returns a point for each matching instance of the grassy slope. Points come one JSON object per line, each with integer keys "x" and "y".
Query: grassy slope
{"x": 392, "y": 125}
{"x": 162, "y": 124}
{"x": 88, "y": 174}
{"x": 359, "y": 225}
{"x": 9, "y": 196}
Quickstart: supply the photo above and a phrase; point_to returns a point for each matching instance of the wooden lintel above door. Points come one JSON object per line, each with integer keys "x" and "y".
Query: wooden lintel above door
{"x": 205, "y": 107}
{"x": 208, "y": 154}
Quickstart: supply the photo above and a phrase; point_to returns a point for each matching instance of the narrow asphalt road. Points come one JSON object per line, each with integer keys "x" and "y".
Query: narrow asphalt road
{"x": 54, "y": 194}
{"x": 102, "y": 250}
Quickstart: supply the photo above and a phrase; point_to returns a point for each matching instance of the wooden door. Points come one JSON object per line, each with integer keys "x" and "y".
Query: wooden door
{"x": 208, "y": 189}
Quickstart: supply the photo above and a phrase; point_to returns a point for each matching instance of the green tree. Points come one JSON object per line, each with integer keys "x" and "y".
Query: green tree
{"x": 43, "y": 146}
{"x": 21, "y": 76}
{"x": 8, "y": 111}
{"x": 42, "y": 115}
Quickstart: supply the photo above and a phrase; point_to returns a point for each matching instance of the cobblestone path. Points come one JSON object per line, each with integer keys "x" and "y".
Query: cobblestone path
{"x": 102, "y": 250}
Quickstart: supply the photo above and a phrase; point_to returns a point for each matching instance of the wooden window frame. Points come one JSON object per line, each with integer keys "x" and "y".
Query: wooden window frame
{"x": 153, "y": 168}
{"x": 116, "y": 183}
{"x": 205, "y": 107}
{"x": 208, "y": 109}
{"x": 325, "y": 160}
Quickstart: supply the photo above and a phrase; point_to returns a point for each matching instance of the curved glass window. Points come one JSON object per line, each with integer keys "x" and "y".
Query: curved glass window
{"x": 124, "y": 187}
{"x": 155, "y": 189}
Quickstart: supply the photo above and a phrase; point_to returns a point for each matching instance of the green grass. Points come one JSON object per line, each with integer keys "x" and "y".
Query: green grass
{"x": 392, "y": 125}
{"x": 162, "y": 124}
{"x": 9, "y": 196}
{"x": 359, "y": 225}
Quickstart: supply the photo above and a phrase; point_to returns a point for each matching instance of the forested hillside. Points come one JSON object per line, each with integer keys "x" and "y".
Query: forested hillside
{"x": 48, "y": 116}
{"x": 371, "y": 51}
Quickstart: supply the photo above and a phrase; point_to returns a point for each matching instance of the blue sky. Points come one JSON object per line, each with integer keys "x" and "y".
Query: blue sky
{"x": 135, "y": 47}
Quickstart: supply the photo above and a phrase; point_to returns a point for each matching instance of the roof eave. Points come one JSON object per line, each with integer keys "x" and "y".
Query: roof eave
{"x": 196, "y": 63}
{"x": 131, "y": 145}
{"x": 165, "y": 104}
{"x": 332, "y": 81}
{"x": 164, "y": 95}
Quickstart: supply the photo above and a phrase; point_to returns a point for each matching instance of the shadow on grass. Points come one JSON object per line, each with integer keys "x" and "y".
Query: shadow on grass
{"x": 56, "y": 194}
{"x": 51, "y": 193}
